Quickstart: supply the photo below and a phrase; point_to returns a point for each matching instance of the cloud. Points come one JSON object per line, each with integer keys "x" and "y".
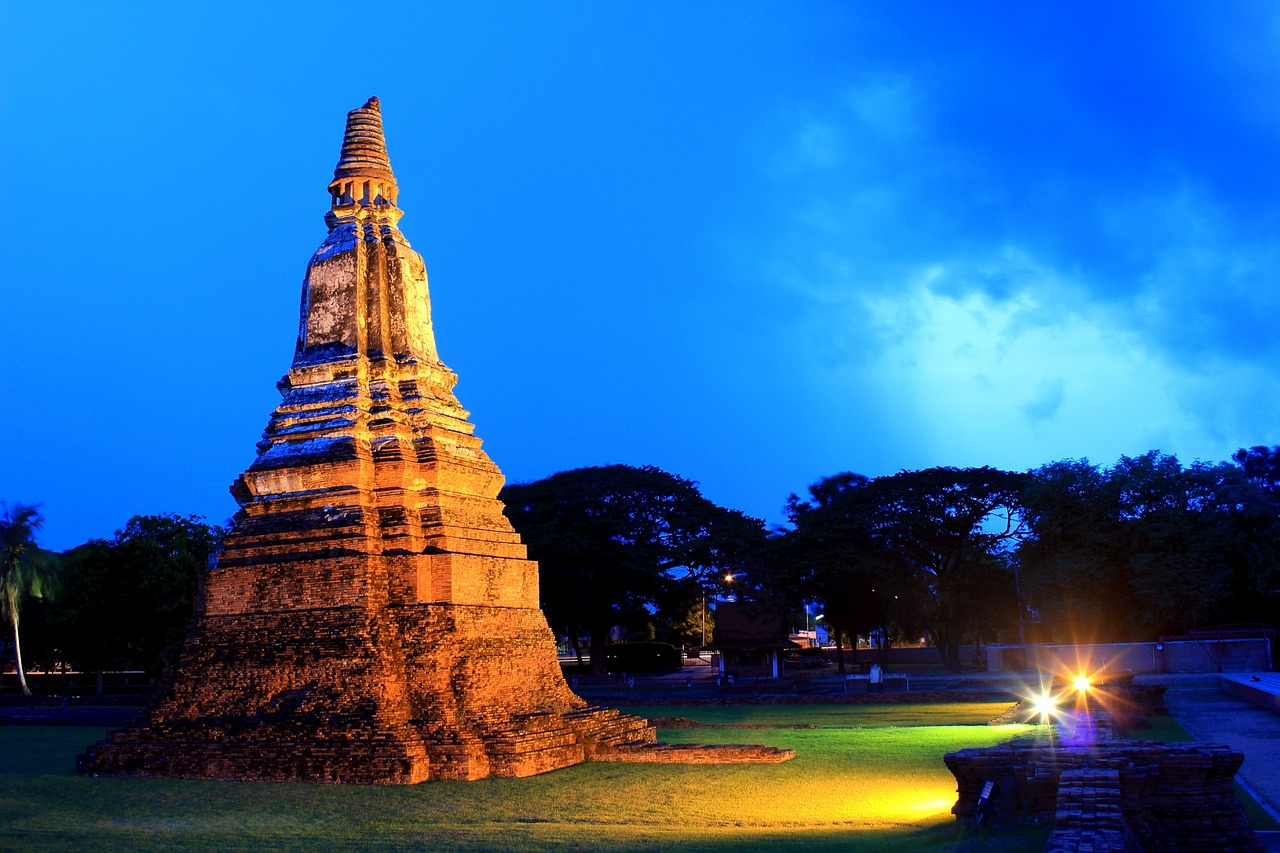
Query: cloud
{"x": 857, "y": 137}
{"x": 992, "y": 372}
{"x": 970, "y": 300}
{"x": 1022, "y": 373}
{"x": 885, "y": 105}
{"x": 1046, "y": 401}
{"x": 818, "y": 146}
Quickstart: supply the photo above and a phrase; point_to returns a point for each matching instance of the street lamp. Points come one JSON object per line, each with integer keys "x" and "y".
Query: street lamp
{"x": 704, "y": 621}
{"x": 1017, "y": 592}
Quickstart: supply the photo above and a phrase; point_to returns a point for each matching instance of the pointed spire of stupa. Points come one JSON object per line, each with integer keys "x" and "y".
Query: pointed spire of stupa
{"x": 363, "y": 177}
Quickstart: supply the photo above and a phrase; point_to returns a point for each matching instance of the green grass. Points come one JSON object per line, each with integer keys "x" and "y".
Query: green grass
{"x": 833, "y": 716}
{"x": 1162, "y": 728}
{"x": 857, "y": 784}
{"x": 1165, "y": 728}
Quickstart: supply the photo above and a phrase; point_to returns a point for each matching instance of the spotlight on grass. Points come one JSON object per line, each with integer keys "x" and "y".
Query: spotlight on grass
{"x": 934, "y": 805}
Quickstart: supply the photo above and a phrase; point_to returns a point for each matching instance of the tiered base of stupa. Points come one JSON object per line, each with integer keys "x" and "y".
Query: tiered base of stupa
{"x": 412, "y": 693}
{"x": 372, "y": 617}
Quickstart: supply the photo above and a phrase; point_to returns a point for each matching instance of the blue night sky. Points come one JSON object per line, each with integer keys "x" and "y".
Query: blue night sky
{"x": 752, "y": 243}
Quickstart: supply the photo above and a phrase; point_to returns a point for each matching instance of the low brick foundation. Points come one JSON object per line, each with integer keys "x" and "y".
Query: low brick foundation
{"x": 410, "y": 693}
{"x": 1088, "y": 815}
{"x": 1112, "y": 795}
{"x": 407, "y": 694}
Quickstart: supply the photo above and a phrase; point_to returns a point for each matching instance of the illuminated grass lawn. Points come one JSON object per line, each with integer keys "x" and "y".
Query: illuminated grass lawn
{"x": 858, "y": 783}
{"x": 837, "y": 716}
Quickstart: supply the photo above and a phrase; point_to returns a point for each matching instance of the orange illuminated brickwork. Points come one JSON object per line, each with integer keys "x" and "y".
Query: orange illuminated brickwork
{"x": 372, "y": 616}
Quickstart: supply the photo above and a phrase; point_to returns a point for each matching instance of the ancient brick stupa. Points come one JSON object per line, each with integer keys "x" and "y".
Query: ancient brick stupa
{"x": 372, "y": 616}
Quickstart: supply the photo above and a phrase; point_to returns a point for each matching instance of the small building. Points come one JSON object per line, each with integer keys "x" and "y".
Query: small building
{"x": 750, "y": 639}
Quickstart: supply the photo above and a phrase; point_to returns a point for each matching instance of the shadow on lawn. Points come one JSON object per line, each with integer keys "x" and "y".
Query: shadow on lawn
{"x": 952, "y": 838}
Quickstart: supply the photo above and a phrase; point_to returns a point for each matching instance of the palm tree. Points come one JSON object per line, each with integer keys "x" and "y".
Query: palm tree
{"x": 23, "y": 570}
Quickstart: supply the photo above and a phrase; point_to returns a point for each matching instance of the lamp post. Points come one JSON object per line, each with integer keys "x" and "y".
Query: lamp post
{"x": 704, "y": 621}
{"x": 1017, "y": 592}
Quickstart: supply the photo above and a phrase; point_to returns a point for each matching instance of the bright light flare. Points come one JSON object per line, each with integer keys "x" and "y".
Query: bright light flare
{"x": 1045, "y": 705}
{"x": 1082, "y": 683}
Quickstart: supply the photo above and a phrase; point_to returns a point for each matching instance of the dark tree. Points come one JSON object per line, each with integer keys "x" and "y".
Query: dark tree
{"x": 948, "y": 533}
{"x": 690, "y": 624}
{"x": 616, "y": 544}
{"x": 920, "y": 550}
{"x": 1255, "y": 557}
{"x": 1178, "y": 534}
{"x": 1262, "y": 466}
{"x": 127, "y": 600}
{"x": 1074, "y": 562}
{"x": 1148, "y": 547}
{"x": 831, "y": 557}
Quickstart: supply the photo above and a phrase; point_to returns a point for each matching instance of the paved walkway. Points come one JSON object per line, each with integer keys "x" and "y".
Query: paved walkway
{"x": 1213, "y": 715}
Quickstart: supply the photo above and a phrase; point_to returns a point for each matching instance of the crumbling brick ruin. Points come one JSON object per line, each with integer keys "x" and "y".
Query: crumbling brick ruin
{"x": 372, "y": 617}
{"x": 1111, "y": 795}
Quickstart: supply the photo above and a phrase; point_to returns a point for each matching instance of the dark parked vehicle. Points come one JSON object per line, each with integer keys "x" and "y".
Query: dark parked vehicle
{"x": 641, "y": 657}
{"x": 805, "y": 659}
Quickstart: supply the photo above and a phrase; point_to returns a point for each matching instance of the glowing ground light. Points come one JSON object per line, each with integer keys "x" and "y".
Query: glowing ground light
{"x": 934, "y": 805}
{"x": 903, "y": 802}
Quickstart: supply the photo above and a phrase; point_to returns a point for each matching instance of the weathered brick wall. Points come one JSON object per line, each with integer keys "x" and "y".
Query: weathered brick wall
{"x": 397, "y": 695}
{"x": 1088, "y": 817}
{"x": 1172, "y": 797}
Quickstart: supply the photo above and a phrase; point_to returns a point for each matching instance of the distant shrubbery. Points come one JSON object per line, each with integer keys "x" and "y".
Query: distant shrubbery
{"x": 1070, "y": 551}
{"x": 122, "y": 603}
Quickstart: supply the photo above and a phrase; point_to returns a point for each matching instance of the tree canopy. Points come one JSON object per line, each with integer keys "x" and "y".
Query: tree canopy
{"x": 916, "y": 551}
{"x": 1143, "y": 548}
{"x": 127, "y": 600}
{"x": 1148, "y": 547}
{"x": 617, "y": 544}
